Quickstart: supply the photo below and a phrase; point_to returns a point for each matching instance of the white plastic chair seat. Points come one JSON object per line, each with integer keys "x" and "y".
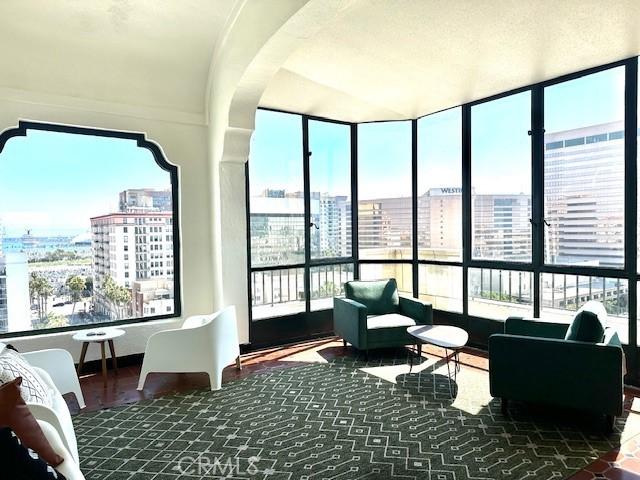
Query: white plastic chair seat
{"x": 204, "y": 343}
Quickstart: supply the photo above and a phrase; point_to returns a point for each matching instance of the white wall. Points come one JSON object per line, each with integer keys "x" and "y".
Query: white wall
{"x": 185, "y": 145}
{"x": 210, "y": 149}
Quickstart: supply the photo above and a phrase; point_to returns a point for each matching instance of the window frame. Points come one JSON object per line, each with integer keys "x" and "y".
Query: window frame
{"x": 537, "y": 267}
{"x": 309, "y": 262}
{"x": 142, "y": 142}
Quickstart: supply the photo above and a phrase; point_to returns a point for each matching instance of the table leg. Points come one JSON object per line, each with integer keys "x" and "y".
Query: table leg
{"x": 83, "y": 354}
{"x": 104, "y": 363}
{"x": 114, "y": 359}
{"x": 456, "y": 368}
{"x": 410, "y": 350}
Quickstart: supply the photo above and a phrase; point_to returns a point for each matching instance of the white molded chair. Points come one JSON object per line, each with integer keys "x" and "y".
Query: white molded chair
{"x": 59, "y": 365}
{"x": 204, "y": 343}
{"x": 56, "y": 369}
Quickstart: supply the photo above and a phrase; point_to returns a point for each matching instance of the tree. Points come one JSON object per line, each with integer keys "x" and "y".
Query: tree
{"x": 56, "y": 320}
{"x": 76, "y": 285}
{"x": 40, "y": 290}
{"x": 119, "y": 297}
{"x": 88, "y": 288}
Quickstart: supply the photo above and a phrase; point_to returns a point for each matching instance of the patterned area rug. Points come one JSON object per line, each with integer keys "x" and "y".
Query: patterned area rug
{"x": 345, "y": 419}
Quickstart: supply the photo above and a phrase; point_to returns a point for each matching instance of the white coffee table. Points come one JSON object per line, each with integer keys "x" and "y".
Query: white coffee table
{"x": 444, "y": 336}
{"x": 99, "y": 335}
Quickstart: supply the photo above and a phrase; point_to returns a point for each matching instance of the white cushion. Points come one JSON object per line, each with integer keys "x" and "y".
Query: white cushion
{"x": 389, "y": 320}
{"x": 32, "y": 389}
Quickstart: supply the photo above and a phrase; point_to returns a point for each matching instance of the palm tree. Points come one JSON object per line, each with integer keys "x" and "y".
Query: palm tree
{"x": 40, "y": 289}
{"x": 76, "y": 285}
{"x": 118, "y": 296}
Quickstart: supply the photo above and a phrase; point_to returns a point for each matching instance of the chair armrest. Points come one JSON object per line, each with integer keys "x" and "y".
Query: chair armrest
{"x": 69, "y": 467}
{"x": 350, "y": 321}
{"x": 563, "y": 372}
{"x": 531, "y": 327}
{"x": 421, "y": 312}
{"x": 46, "y": 414}
{"x": 58, "y": 363}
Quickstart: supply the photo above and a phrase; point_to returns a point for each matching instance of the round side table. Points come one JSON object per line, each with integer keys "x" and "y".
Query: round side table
{"x": 444, "y": 336}
{"x": 101, "y": 336}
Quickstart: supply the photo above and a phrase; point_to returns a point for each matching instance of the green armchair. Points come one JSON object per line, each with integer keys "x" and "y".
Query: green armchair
{"x": 532, "y": 361}
{"x": 373, "y": 315}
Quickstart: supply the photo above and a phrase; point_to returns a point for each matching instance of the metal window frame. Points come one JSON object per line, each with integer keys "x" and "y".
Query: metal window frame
{"x": 537, "y": 266}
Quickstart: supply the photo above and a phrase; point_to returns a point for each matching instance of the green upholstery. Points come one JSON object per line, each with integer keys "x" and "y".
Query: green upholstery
{"x": 379, "y": 296}
{"x": 368, "y": 322}
{"x": 533, "y": 362}
{"x": 587, "y": 323}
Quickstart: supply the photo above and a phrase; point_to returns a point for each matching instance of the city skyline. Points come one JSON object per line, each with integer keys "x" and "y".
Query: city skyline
{"x": 438, "y": 141}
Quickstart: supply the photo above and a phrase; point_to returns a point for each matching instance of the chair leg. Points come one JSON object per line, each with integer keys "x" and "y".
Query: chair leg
{"x": 143, "y": 377}
{"x": 215, "y": 379}
{"x": 609, "y": 421}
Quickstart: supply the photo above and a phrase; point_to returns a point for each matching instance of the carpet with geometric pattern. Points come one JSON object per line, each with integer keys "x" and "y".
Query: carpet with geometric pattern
{"x": 342, "y": 419}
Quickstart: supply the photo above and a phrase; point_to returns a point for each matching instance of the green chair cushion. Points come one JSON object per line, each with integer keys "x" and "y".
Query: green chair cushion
{"x": 379, "y": 296}
{"x": 588, "y": 324}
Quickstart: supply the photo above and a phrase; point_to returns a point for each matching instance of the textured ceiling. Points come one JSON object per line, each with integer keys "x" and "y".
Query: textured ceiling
{"x": 153, "y": 53}
{"x": 389, "y": 59}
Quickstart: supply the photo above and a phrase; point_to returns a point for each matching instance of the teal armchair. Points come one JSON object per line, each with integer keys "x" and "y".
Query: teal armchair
{"x": 533, "y": 362}
{"x": 373, "y": 315}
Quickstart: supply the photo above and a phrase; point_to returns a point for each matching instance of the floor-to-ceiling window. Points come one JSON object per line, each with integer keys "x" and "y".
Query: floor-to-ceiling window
{"x": 514, "y": 205}
{"x": 439, "y": 205}
{"x": 330, "y": 210}
{"x": 299, "y": 214}
{"x": 277, "y": 223}
{"x": 584, "y": 195}
{"x": 385, "y": 226}
{"x": 501, "y": 207}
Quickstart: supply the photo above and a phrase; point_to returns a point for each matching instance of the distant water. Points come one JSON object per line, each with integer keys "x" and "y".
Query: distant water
{"x": 36, "y": 246}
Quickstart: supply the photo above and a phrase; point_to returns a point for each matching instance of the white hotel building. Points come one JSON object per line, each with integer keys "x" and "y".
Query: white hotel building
{"x": 136, "y": 250}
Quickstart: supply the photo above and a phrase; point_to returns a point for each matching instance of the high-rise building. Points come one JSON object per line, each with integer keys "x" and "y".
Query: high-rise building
{"x": 502, "y": 226}
{"x": 584, "y": 196}
{"x": 440, "y": 223}
{"x": 131, "y": 247}
{"x": 145, "y": 200}
{"x": 332, "y": 216}
{"x": 277, "y": 230}
{"x": 386, "y": 223}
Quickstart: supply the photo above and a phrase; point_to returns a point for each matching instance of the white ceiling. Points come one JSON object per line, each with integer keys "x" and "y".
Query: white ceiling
{"x": 391, "y": 59}
{"x": 153, "y": 53}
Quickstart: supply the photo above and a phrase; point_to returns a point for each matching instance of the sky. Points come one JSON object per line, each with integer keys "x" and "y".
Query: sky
{"x": 501, "y": 155}
{"x": 52, "y": 183}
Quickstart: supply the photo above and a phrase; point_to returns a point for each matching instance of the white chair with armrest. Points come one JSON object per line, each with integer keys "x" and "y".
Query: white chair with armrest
{"x": 204, "y": 343}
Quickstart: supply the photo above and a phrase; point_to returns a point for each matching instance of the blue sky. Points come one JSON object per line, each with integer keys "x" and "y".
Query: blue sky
{"x": 501, "y": 156}
{"x": 53, "y": 182}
